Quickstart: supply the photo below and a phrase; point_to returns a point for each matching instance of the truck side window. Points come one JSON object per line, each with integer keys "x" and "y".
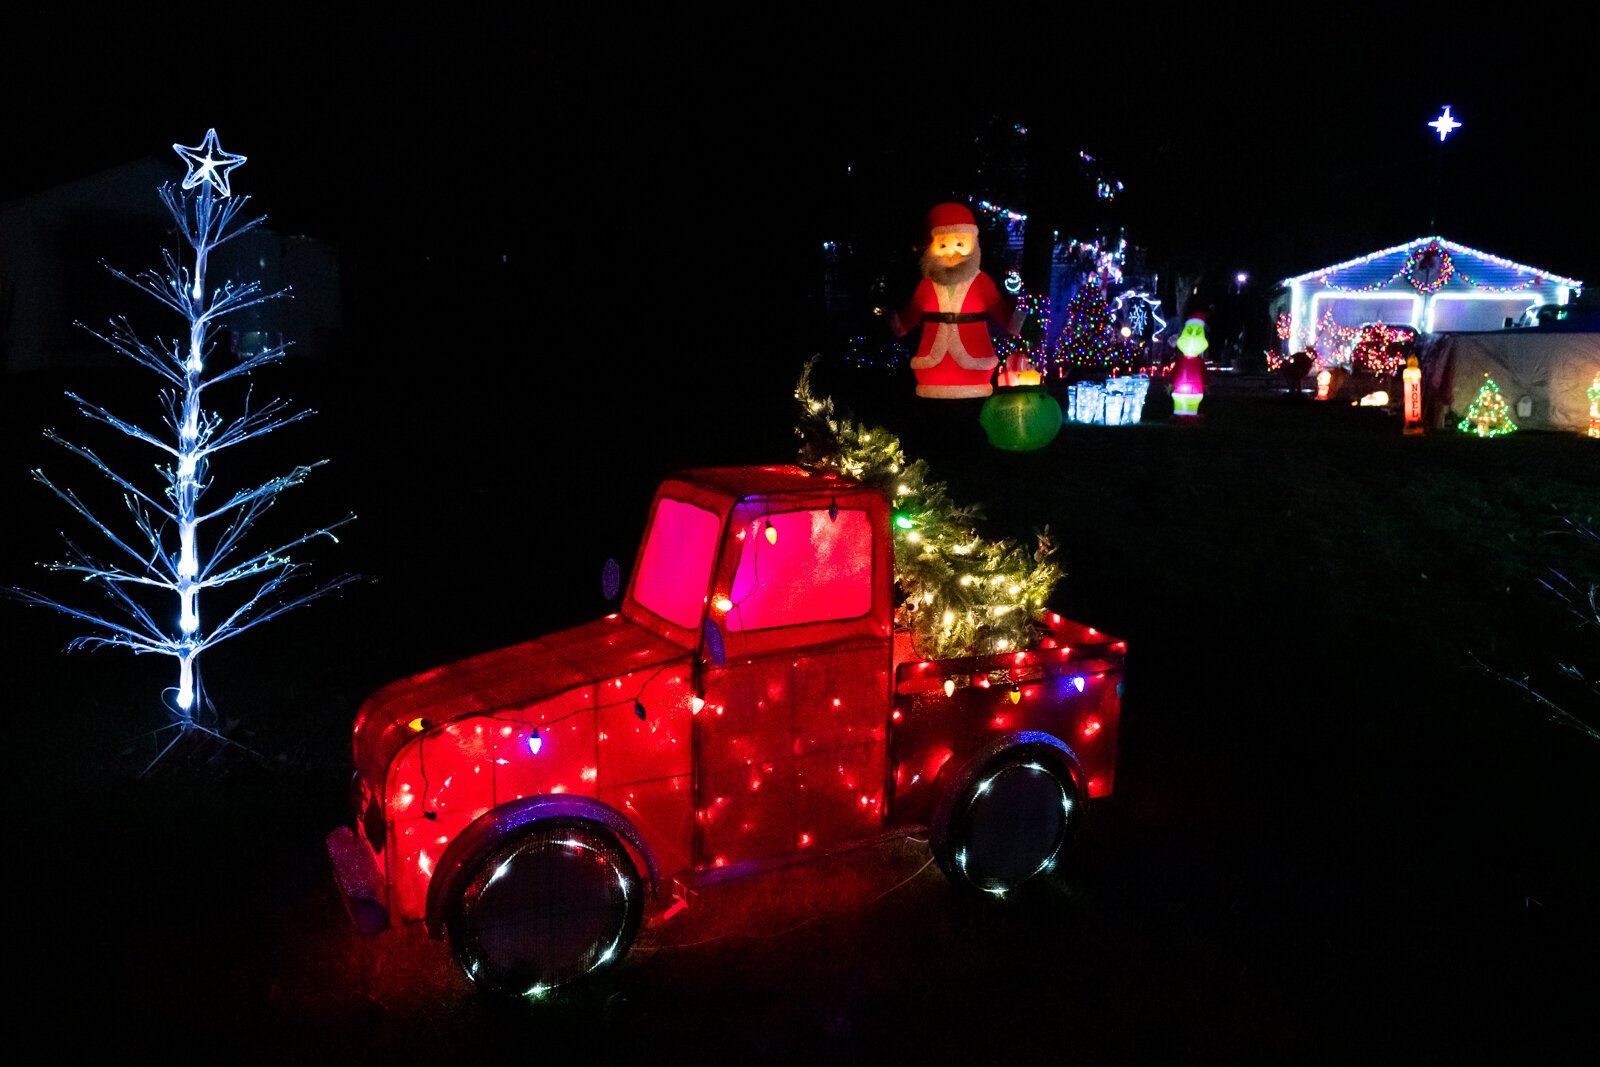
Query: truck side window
{"x": 808, "y": 568}
{"x": 675, "y": 567}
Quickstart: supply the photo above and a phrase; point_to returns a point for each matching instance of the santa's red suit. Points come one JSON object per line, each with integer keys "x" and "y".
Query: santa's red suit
{"x": 955, "y": 358}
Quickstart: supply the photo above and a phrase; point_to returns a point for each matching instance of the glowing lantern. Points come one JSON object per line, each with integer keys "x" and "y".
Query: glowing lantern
{"x": 1021, "y": 419}
{"x": 1189, "y": 377}
{"x": 1026, "y": 376}
{"x": 1324, "y": 383}
{"x": 1411, "y": 378}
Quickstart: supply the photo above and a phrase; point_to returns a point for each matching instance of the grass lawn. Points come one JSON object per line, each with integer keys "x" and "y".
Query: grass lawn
{"x": 1333, "y": 837}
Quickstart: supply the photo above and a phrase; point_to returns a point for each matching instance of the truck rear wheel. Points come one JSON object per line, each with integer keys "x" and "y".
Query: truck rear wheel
{"x": 1005, "y": 822}
{"x": 556, "y": 903}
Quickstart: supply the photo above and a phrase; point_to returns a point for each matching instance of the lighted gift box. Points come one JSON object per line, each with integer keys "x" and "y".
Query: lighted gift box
{"x": 1113, "y": 402}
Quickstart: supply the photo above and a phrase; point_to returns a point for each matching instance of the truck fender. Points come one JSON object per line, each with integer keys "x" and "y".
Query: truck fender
{"x": 462, "y": 857}
{"x": 1044, "y": 746}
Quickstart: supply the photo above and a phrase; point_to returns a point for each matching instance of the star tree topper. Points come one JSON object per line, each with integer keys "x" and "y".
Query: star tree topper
{"x": 1445, "y": 123}
{"x": 208, "y": 163}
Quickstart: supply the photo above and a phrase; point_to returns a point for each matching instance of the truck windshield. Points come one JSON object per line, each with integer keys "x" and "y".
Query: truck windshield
{"x": 675, "y": 567}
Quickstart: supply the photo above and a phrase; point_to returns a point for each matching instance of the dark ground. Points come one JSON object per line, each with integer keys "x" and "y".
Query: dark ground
{"x": 1333, "y": 838}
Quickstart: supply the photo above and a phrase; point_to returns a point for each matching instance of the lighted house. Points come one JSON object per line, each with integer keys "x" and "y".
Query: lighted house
{"x": 1430, "y": 283}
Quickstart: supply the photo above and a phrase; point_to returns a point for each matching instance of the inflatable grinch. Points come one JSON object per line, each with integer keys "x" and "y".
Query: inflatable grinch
{"x": 954, "y": 304}
{"x": 1189, "y": 376}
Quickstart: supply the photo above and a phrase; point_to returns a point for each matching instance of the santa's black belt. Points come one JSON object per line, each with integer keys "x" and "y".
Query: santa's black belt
{"x": 955, "y": 316}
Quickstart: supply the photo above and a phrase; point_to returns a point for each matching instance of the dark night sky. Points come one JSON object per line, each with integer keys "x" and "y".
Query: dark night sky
{"x": 486, "y": 128}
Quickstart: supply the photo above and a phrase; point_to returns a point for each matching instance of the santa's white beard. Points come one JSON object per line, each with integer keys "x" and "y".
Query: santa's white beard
{"x": 936, "y": 272}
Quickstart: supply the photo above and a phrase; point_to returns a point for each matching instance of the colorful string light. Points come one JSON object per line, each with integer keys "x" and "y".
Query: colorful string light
{"x": 1539, "y": 276}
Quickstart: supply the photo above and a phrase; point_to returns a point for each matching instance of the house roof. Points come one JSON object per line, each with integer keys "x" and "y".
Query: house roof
{"x": 1476, "y": 267}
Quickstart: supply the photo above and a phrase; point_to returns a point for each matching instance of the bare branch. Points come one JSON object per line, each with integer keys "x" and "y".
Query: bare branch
{"x": 269, "y": 488}
{"x": 124, "y": 340}
{"x": 249, "y": 363}
{"x": 89, "y": 455}
{"x": 81, "y": 508}
{"x": 127, "y": 637}
{"x": 231, "y": 627}
{"x": 96, "y": 413}
{"x": 270, "y": 559}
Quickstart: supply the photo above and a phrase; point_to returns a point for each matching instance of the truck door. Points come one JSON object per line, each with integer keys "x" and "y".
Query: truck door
{"x": 791, "y": 740}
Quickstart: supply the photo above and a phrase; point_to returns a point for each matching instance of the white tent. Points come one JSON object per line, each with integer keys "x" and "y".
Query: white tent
{"x": 1544, "y": 375}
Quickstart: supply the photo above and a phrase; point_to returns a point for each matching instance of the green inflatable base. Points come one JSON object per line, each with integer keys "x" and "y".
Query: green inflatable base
{"x": 1021, "y": 419}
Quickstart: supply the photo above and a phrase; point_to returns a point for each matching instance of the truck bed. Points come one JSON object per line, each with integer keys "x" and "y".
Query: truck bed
{"x": 1069, "y": 685}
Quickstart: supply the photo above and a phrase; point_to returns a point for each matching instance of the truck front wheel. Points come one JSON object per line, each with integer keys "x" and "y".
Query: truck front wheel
{"x": 560, "y": 901}
{"x": 1005, "y": 822}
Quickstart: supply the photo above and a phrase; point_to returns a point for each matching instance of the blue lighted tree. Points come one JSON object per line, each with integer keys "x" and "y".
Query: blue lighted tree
{"x": 174, "y": 542}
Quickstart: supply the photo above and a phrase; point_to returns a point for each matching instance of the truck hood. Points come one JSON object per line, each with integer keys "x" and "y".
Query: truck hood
{"x": 511, "y": 677}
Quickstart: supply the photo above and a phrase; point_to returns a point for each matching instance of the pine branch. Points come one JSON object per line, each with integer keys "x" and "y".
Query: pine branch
{"x": 962, "y": 595}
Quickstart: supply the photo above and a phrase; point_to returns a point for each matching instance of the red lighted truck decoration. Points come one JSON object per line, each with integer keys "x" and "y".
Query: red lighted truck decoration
{"x": 750, "y": 704}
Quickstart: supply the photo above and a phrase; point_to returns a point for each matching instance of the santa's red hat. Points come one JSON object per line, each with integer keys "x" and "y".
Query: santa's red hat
{"x": 1195, "y": 316}
{"x": 951, "y": 218}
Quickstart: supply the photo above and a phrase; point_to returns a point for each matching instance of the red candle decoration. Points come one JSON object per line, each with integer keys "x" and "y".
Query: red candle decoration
{"x": 1411, "y": 380}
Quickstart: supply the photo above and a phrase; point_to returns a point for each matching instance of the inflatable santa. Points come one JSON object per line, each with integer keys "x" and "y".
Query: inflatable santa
{"x": 954, "y": 304}
{"x": 1189, "y": 376}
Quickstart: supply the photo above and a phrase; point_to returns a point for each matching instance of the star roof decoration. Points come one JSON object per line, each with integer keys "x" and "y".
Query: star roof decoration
{"x": 1445, "y": 123}
{"x": 208, "y": 163}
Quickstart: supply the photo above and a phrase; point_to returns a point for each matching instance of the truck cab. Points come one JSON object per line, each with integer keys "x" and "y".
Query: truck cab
{"x": 750, "y": 703}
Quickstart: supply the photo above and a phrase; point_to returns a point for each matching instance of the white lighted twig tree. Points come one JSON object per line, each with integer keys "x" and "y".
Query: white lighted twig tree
{"x": 174, "y": 543}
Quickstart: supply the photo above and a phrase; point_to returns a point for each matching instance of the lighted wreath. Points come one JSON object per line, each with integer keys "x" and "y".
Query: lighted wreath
{"x": 1429, "y": 269}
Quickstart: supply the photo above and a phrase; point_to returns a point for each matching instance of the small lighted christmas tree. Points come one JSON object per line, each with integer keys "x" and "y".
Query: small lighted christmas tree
{"x": 1488, "y": 416}
{"x": 175, "y": 542}
{"x": 962, "y": 595}
{"x": 1088, "y": 335}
